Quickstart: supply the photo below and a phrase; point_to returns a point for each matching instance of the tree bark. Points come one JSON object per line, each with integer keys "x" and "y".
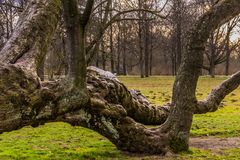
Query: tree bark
{"x": 140, "y": 39}
{"x": 177, "y": 34}
{"x": 212, "y": 56}
{"x": 173, "y": 55}
{"x": 184, "y": 100}
{"x": 118, "y": 50}
{"x": 111, "y": 43}
{"x": 111, "y": 105}
{"x": 146, "y": 47}
{"x": 76, "y": 25}
{"x": 124, "y": 63}
{"x": 103, "y": 53}
{"x": 228, "y": 53}
{"x": 151, "y": 50}
{"x": 40, "y": 70}
{"x": 29, "y": 42}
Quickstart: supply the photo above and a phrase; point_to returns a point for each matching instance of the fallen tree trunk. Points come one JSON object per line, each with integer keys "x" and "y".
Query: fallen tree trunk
{"x": 24, "y": 101}
{"x": 104, "y": 88}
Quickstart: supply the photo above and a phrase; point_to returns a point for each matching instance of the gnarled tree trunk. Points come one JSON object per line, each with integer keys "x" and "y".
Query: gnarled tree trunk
{"x": 184, "y": 99}
{"x": 29, "y": 42}
{"x": 112, "y": 110}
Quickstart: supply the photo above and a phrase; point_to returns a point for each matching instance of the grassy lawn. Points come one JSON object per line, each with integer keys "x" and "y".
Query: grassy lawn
{"x": 224, "y": 122}
{"x": 62, "y": 141}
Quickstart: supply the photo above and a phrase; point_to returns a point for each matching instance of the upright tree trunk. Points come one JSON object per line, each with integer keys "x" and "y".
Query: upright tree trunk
{"x": 146, "y": 47}
{"x": 124, "y": 63}
{"x": 151, "y": 52}
{"x": 228, "y": 52}
{"x": 76, "y": 44}
{"x": 11, "y": 19}
{"x": 111, "y": 45}
{"x": 112, "y": 51}
{"x": 212, "y": 57}
{"x": 140, "y": 37}
{"x": 173, "y": 55}
{"x": 177, "y": 40}
{"x": 141, "y": 64}
{"x": 76, "y": 28}
{"x": 103, "y": 56}
{"x": 150, "y": 63}
{"x": 179, "y": 44}
{"x": 7, "y": 28}
{"x": 97, "y": 57}
{"x": 212, "y": 69}
{"x": 118, "y": 51}
{"x": 184, "y": 99}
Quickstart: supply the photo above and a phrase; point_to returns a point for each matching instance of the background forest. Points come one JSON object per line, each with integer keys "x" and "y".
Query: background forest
{"x": 137, "y": 37}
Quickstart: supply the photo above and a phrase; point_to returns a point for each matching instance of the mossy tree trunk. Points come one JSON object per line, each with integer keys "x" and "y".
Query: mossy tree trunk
{"x": 29, "y": 42}
{"x": 76, "y": 23}
{"x": 184, "y": 99}
{"x": 111, "y": 110}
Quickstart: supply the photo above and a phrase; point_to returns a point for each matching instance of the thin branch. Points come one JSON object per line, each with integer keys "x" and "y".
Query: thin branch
{"x": 212, "y": 102}
{"x": 20, "y": 9}
{"x": 84, "y": 18}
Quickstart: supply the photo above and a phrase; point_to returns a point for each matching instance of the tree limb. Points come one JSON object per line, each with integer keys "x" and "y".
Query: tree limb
{"x": 30, "y": 39}
{"x": 212, "y": 102}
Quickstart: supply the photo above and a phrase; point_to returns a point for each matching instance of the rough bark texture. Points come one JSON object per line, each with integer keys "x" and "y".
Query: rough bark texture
{"x": 212, "y": 102}
{"x": 104, "y": 87}
{"x": 76, "y": 34}
{"x": 24, "y": 101}
{"x": 184, "y": 100}
{"x": 28, "y": 44}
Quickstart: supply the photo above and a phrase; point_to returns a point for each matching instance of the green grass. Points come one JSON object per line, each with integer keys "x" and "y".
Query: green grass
{"x": 196, "y": 154}
{"x": 55, "y": 141}
{"x": 62, "y": 141}
{"x": 224, "y": 122}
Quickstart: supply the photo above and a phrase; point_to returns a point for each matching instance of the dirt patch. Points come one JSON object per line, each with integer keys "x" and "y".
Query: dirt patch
{"x": 213, "y": 143}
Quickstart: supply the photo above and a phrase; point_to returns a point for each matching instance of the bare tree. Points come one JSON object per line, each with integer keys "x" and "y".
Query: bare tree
{"x": 219, "y": 47}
